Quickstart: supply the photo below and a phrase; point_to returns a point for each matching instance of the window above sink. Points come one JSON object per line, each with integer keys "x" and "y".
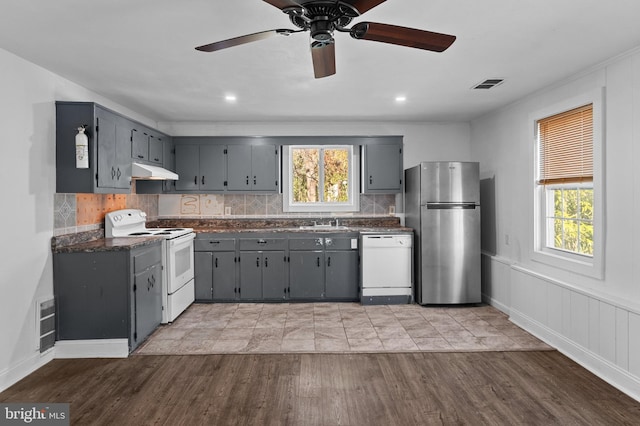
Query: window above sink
{"x": 321, "y": 178}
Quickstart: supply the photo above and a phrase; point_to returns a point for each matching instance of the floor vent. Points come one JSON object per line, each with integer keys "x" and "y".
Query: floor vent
{"x": 46, "y": 323}
{"x": 489, "y": 84}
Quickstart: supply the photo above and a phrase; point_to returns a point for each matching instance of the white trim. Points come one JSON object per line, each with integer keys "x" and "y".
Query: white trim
{"x": 14, "y": 374}
{"x": 607, "y": 371}
{"x": 592, "y": 267}
{"x": 98, "y": 348}
{"x": 354, "y": 183}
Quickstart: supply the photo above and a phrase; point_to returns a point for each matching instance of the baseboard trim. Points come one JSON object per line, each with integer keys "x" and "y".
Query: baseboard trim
{"x": 14, "y": 374}
{"x": 497, "y": 304}
{"x": 99, "y": 348}
{"x": 599, "y": 366}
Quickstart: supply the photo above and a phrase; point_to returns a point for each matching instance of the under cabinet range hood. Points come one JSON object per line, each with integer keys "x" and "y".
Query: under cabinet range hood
{"x": 147, "y": 172}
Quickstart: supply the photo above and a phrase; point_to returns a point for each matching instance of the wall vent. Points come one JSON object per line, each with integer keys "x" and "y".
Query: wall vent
{"x": 489, "y": 84}
{"x": 46, "y": 324}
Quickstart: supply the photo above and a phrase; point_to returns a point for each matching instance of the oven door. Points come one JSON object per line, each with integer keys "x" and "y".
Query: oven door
{"x": 179, "y": 262}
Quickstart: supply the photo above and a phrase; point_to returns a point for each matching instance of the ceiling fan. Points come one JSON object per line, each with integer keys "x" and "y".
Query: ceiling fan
{"x": 323, "y": 17}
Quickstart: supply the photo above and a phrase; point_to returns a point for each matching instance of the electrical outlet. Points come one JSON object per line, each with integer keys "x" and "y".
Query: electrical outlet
{"x": 392, "y": 210}
{"x": 227, "y": 211}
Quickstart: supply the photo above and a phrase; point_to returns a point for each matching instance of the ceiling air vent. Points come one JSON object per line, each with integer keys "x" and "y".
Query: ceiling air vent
{"x": 489, "y": 84}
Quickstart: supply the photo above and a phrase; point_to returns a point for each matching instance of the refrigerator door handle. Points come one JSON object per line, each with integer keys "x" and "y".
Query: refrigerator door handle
{"x": 449, "y": 206}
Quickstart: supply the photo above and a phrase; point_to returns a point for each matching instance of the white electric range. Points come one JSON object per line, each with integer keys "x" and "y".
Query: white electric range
{"x": 178, "y": 290}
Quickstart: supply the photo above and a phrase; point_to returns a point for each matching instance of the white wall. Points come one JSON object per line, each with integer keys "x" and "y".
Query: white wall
{"x": 27, "y": 167}
{"x": 596, "y": 321}
{"x": 422, "y": 141}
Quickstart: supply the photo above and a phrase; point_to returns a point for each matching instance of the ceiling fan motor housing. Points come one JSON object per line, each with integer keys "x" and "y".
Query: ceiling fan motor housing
{"x": 321, "y": 17}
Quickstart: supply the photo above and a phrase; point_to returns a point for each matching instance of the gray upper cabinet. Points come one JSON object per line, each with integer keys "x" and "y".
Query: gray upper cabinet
{"x": 156, "y": 149}
{"x": 113, "y": 141}
{"x": 383, "y": 168}
{"x": 252, "y": 168}
{"x": 109, "y": 149}
{"x": 200, "y": 167}
{"x": 146, "y": 145}
{"x": 207, "y": 164}
{"x": 139, "y": 144}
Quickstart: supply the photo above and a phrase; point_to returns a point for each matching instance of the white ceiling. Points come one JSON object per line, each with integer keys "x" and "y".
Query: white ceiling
{"x": 141, "y": 54}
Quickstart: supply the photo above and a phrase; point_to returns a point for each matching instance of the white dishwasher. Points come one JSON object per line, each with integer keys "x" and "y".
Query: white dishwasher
{"x": 386, "y": 269}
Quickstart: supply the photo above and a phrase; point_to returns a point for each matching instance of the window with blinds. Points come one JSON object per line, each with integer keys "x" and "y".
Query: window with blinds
{"x": 565, "y": 172}
{"x": 566, "y": 147}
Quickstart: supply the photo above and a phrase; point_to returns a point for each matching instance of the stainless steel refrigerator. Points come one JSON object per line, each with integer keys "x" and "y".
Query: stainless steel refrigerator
{"x": 442, "y": 205}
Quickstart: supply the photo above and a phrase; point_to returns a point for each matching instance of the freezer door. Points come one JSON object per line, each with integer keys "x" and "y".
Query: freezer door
{"x": 450, "y": 260}
{"x": 450, "y": 182}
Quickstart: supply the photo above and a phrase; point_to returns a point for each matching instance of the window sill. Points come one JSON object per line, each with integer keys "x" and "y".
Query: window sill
{"x": 582, "y": 265}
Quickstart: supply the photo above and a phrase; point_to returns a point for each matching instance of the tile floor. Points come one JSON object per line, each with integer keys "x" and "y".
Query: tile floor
{"x": 337, "y": 328}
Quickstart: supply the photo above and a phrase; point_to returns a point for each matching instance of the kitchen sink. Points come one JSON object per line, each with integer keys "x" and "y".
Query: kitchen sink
{"x": 324, "y": 228}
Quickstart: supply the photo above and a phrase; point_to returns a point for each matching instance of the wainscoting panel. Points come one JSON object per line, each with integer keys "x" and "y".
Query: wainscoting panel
{"x": 600, "y": 334}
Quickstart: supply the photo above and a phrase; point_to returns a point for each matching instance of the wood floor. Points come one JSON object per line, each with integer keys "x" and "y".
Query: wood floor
{"x": 468, "y": 388}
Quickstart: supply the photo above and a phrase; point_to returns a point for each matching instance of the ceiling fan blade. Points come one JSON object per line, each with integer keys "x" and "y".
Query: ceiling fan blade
{"x": 402, "y": 36}
{"x": 281, "y": 4}
{"x": 324, "y": 59}
{"x": 219, "y": 45}
{"x": 363, "y": 5}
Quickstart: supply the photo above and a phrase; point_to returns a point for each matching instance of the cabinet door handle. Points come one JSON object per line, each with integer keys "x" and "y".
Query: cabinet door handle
{"x": 157, "y": 160}
{"x": 113, "y": 172}
{"x": 258, "y": 262}
{"x": 140, "y": 156}
{"x": 266, "y": 262}
{"x": 262, "y": 241}
{"x": 195, "y": 180}
{"x": 318, "y": 258}
{"x": 247, "y": 180}
{"x": 118, "y": 174}
{"x": 329, "y": 261}
{"x": 370, "y": 179}
{"x": 216, "y": 262}
{"x": 254, "y": 180}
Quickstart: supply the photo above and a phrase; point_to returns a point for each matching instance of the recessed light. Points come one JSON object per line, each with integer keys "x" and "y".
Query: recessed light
{"x": 230, "y": 98}
{"x": 401, "y": 98}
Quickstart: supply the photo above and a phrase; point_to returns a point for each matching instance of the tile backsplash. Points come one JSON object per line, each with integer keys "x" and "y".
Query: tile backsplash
{"x": 75, "y": 213}
{"x": 254, "y": 205}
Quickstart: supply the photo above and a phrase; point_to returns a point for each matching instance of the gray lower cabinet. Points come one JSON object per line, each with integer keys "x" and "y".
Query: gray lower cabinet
{"x": 341, "y": 274}
{"x": 108, "y": 294}
{"x": 262, "y": 269}
{"x": 306, "y": 275}
{"x": 215, "y": 264}
{"x": 323, "y": 268}
{"x": 304, "y": 267}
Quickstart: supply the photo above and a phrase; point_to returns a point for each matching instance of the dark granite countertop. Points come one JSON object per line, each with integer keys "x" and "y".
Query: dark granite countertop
{"x": 350, "y": 229}
{"x": 380, "y": 224}
{"x": 107, "y": 244}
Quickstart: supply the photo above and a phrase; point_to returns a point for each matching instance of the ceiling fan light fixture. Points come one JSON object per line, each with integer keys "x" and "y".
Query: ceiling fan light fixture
{"x": 401, "y": 98}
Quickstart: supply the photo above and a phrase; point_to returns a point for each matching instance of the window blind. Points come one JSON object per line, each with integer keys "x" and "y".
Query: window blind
{"x": 566, "y": 147}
